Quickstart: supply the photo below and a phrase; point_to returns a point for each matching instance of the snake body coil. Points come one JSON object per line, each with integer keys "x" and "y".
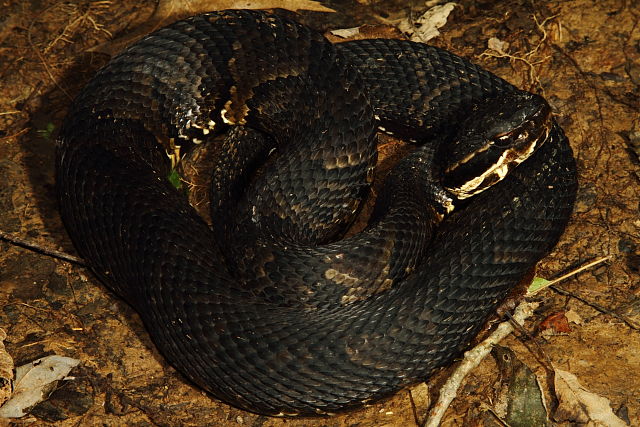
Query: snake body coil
{"x": 263, "y": 309}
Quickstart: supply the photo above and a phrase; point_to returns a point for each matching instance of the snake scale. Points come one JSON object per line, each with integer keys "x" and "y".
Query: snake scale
{"x": 263, "y": 308}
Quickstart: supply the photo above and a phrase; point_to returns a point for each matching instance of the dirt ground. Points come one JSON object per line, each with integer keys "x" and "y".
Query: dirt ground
{"x": 583, "y": 55}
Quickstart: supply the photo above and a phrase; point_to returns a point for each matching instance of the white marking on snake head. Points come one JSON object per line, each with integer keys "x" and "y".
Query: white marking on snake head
{"x": 223, "y": 114}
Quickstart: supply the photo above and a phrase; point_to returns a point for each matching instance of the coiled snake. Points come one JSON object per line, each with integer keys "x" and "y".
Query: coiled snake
{"x": 264, "y": 309}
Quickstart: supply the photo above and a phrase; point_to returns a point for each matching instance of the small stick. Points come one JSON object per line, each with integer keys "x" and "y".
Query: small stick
{"x": 15, "y": 135}
{"x": 472, "y": 359}
{"x": 573, "y": 273}
{"x": 37, "y": 248}
{"x": 550, "y": 284}
{"x": 598, "y": 307}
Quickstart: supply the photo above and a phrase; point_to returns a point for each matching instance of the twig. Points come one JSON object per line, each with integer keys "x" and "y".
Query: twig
{"x": 551, "y": 285}
{"x": 56, "y": 314}
{"x": 80, "y": 19}
{"x": 472, "y": 359}
{"x": 414, "y": 409}
{"x": 14, "y": 135}
{"x": 527, "y": 57}
{"x": 580, "y": 269}
{"x": 37, "y": 248}
{"x": 44, "y": 63}
{"x": 497, "y": 417}
{"x": 598, "y": 307}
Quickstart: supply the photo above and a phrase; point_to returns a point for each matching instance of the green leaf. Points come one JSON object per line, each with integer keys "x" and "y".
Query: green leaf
{"x": 47, "y": 132}
{"x": 174, "y": 179}
{"x": 537, "y": 284}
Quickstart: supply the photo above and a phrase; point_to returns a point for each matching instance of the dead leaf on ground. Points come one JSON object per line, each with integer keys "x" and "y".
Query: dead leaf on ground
{"x": 346, "y": 33}
{"x": 498, "y": 45}
{"x": 169, "y": 11}
{"x": 573, "y": 317}
{"x": 557, "y": 321}
{"x": 519, "y": 399}
{"x": 426, "y": 26}
{"x": 577, "y": 404}
{"x": 34, "y": 382}
{"x": 6, "y": 370}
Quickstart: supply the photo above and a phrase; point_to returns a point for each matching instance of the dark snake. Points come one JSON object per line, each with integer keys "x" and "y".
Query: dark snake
{"x": 264, "y": 309}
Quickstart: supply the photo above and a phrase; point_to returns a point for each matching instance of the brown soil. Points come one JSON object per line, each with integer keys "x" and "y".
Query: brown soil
{"x": 583, "y": 55}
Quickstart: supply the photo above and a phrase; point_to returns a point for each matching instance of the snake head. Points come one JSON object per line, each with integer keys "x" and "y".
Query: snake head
{"x": 497, "y": 135}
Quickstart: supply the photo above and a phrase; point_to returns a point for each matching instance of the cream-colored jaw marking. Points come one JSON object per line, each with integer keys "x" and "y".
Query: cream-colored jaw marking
{"x": 508, "y": 160}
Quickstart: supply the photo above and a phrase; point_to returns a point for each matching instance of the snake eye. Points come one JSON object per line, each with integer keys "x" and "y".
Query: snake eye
{"x": 510, "y": 139}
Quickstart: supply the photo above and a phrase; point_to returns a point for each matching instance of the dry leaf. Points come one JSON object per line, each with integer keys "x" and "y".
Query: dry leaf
{"x": 420, "y": 395}
{"x": 346, "y": 33}
{"x": 556, "y": 321}
{"x": 498, "y": 45}
{"x": 519, "y": 399}
{"x": 169, "y": 11}
{"x": 577, "y": 404}
{"x": 573, "y": 317}
{"x": 426, "y": 26}
{"x": 6, "y": 370}
{"x": 34, "y": 382}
